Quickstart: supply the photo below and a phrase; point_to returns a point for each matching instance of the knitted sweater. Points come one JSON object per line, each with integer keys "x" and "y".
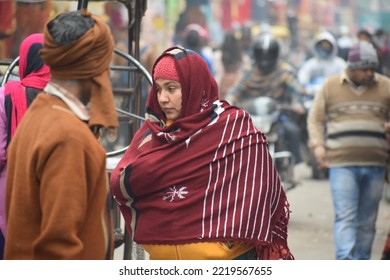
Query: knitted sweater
{"x": 349, "y": 121}
{"x": 56, "y": 187}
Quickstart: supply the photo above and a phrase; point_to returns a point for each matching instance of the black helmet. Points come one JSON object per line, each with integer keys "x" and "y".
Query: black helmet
{"x": 266, "y": 52}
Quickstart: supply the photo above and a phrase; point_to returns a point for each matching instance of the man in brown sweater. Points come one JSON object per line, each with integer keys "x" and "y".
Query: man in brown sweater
{"x": 57, "y": 183}
{"x": 347, "y": 128}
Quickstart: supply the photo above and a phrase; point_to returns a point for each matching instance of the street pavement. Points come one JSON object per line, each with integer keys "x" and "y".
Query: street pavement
{"x": 311, "y": 223}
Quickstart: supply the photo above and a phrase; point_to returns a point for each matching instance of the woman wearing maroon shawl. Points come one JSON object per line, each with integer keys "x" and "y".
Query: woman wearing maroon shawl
{"x": 15, "y": 97}
{"x": 197, "y": 181}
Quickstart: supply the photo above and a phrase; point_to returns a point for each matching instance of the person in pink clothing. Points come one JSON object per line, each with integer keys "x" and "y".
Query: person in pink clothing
{"x": 15, "y": 97}
{"x": 3, "y": 170}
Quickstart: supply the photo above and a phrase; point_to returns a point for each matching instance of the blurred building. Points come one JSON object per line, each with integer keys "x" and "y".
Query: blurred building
{"x": 164, "y": 19}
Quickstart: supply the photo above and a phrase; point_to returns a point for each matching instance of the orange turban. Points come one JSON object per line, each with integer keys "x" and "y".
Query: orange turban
{"x": 87, "y": 57}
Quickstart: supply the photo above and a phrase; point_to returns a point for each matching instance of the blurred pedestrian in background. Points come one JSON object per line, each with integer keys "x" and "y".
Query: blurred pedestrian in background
{"x": 344, "y": 42}
{"x": 196, "y": 38}
{"x": 381, "y": 39}
{"x": 365, "y": 35}
{"x": 324, "y": 63}
{"x": 57, "y": 181}
{"x": 230, "y": 60}
{"x": 15, "y": 97}
{"x": 347, "y": 126}
{"x": 272, "y": 77}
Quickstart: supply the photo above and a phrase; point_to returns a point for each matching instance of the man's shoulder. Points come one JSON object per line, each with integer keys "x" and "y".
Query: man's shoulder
{"x": 335, "y": 78}
{"x": 286, "y": 66}
{"x": 382, "y": 78}
{"x": 53, "y": 120}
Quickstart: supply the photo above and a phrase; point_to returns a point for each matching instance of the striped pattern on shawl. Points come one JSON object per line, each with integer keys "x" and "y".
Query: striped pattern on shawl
{"x": 208, "y": 177}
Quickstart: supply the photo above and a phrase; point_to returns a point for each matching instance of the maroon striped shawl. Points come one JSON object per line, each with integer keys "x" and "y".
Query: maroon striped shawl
{"x": 207, "y": 177}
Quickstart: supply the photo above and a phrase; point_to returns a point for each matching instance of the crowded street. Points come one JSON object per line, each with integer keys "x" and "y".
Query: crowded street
{"x": 209, "y": 129}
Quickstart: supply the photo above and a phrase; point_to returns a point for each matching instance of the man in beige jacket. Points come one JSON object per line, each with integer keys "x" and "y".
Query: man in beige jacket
{"x": 347, "y": 126}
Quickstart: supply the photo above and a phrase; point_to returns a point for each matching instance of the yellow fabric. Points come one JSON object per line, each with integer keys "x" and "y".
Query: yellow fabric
{"x": 197, "y": 251}
{"x": 168, "y": 122}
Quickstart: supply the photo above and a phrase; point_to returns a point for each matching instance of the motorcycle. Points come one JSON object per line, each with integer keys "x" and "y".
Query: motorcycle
{"x": 268, "y": 118}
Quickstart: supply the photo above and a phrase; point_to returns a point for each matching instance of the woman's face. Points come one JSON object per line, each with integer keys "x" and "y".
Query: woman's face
{"x": 169, "y": 98}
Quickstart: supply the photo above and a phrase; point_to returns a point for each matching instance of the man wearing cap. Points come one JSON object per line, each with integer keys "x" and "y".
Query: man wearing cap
{"x": 347, "y": 129}
{"x": 57, "y": 183}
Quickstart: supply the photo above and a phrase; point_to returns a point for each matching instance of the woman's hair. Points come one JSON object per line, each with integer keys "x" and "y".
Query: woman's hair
{"x": 69, "y": 27}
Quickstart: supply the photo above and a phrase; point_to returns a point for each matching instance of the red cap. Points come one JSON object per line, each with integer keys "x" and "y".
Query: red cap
{"x": 165, "y": 69}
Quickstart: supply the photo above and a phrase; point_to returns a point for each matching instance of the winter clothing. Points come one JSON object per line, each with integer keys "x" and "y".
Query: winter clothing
{"x": 283, "y": 86}
{"x": 320, "y": 65}
{"x": 363, "y": 56}
{"x": 346, "y": 129}
{"x": 89, "y": 57}
{"x": 54, "y": 210}
{"x": 57, "y": 182}
{"x": 165, "y": 69}
{"x": 354, "y": 131}
{"x": 33, "y": 73}
{"x": 15, "y": 97}
{"x": 176, "y": 189}
{"x": 3, "y": 161}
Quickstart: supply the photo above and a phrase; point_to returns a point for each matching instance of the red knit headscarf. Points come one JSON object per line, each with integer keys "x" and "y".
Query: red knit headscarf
{"x": 199, "y": 88}
{"x": 165, "y": 69}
